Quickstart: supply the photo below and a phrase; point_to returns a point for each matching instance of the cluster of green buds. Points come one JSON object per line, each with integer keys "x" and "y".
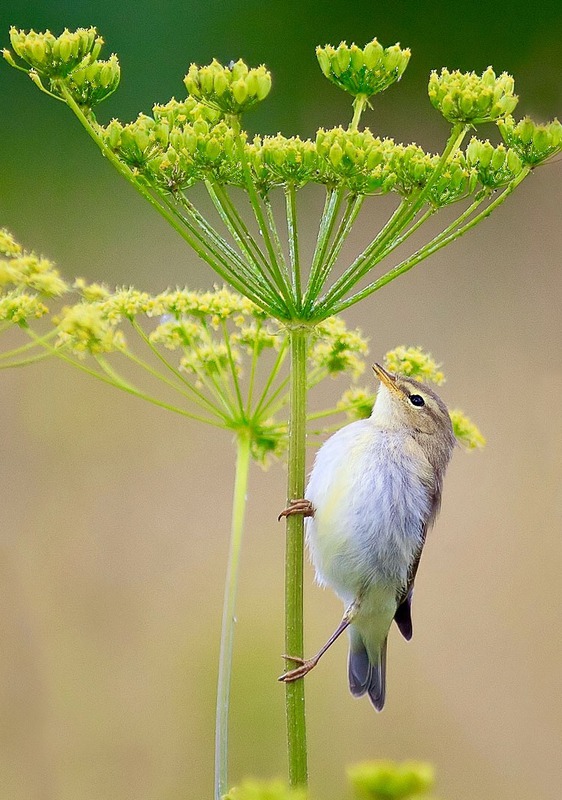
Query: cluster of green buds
{"x": 386, "y": 780}
{"x": 25, "y": 281}
{"x": 468, "y": 98}
{"x": 70, "y": 58}
{"x": 414, "y": 362}
{"x": 494, "y": 166}
{"x": 175, "y": 158}
{"x": 54, "y": 56}
{"x": 232, "y": 90}
{"x": 364, "y": 71}
{"x": 356, "y": 159}
{"x": 533, "y": 143}
{"x": 94, "y": 82}
{"x": 277, "y": 161}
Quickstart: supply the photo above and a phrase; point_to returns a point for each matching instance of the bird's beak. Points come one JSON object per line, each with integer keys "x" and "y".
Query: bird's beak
{"x": 386, "y": 378}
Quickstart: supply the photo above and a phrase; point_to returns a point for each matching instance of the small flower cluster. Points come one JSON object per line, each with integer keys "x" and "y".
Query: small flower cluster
{"x": 232, "y": 89}
{"x": 473, "y": 99}
{"x": 174, "y": 149}
{"x": 356, "y": 159}
{"x": 277, "y": 161}
{"x": 336, "y": 349}
{"x": 25, "y": 279}
{"x": 466, "y": 431}
{"x": 364, "y": 71}
{"x": 495, "y": 166}
{"x": 386, "y": 780}
{"x": 414, "y": 363}
{"x": 533, "y": 143}
{"x": 71, "y": 57}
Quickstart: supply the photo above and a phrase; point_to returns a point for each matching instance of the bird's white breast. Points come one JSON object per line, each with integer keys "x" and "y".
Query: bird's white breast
{"x": 369, "y": 490}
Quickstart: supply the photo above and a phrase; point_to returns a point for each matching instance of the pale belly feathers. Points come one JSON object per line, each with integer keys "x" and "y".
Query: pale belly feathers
{"x": 369, "y": 490}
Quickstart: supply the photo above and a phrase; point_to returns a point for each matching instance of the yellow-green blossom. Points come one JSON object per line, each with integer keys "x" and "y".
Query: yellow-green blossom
{"x": 466, "y": 97}
{"x": 335, "y": 348}
{"x": 18, "y": 307}
{"x": 232, "y": 90}
{"x": 8, "y": 245}
{"x": 414, "y": 363}
{"x": 356, "y": 403}
{"x": 466, "y": 431}
{"x": 386, "y": 780}
{"x": 363, "y": 71}
{"x": 532, "y": 142}
{"x": 85, "y": 328}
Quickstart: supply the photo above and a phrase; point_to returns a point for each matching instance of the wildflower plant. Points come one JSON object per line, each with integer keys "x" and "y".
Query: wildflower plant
{"x": 27, "y": 283}
{"x": 201, "y": 139}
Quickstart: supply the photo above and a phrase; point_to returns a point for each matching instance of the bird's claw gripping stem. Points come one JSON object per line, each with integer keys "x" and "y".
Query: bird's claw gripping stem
{"x": 305, "y": 665}
{"x": 302, "y": 506}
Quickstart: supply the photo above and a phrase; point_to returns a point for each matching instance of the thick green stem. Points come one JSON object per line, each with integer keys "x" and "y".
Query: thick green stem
{"x": 228, "y": 614}
{"x": 294, "y": 560}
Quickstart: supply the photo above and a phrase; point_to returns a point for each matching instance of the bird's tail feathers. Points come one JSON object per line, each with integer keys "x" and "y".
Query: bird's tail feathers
{"x": 367, "y": 673}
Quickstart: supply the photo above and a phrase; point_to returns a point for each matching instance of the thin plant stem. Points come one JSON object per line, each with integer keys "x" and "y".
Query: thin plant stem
{"x": 276, "y": 273}
{"x": 236, "y": 226}
{"x": 233, "y": 370}
{"x": 332, "y": 205}
{"x": 359, "y": 103}
{"x": 253, "y": 367}
{"x": 23, "y": 362}
{"x": 281, "y": 355}
{"x": 293, "y": 235}
{"x": 228, "y": 614}
{"x": 195, "y": 395}
{"x": 270, "y": 216}
{"x": 294, "y": 560}
{"x": 248, "y": 269}
{"x": 353, "y": 207}
{"x": 27, "y": 346}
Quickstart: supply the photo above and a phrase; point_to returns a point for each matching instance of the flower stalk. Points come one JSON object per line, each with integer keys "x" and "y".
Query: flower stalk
{"x": 243, "y": 455}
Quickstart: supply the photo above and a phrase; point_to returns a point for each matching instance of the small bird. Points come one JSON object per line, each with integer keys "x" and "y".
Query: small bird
{"x": 373, "y": 493}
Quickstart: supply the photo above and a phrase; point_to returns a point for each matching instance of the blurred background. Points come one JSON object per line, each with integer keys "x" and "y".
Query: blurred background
{"x": 114, "y": 515}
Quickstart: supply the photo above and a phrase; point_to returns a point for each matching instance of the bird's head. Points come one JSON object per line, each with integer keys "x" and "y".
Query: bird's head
{"x": 405, "y": 403}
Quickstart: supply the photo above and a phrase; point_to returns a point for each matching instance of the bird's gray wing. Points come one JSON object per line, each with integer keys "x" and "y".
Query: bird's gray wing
{"x": 403, "y": 615}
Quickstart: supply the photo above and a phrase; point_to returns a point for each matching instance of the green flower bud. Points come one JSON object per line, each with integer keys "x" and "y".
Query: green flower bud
{"x": 494, "y": 166}
{"x": 532, "y": 142}
{"x": 230, "y": 90}
{"x": 380, "y": 780}
{"x": 470, "y": 99}
{"x": 364, "y": 71}
{"x": 54, "y": 57}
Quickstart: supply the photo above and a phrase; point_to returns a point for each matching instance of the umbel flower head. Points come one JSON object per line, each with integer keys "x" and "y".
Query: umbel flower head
{"x": 466, "y": 97}
{"x": 232, "y": 89}
{"x": 25, "y": 281}
{"x": 533, "y": 143}
{"x": 363, "y": 71}
{"x": 71, "y": 57}
{"x": 386, "y": 780}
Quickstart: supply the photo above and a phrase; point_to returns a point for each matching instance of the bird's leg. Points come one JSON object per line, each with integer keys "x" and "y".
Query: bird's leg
{"x": 303, "y": 507}
{"x": 306, "y": 664}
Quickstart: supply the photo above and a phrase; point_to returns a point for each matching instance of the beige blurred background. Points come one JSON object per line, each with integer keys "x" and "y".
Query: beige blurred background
{"x": 114, "y": 515}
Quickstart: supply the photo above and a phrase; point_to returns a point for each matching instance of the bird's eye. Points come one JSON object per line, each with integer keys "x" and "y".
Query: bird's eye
{"x": 417, "y": 400}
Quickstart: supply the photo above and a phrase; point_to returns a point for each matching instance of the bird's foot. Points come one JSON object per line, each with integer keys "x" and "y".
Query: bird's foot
{"x": 304, "y": 667}
{"x": 303, "y": 507}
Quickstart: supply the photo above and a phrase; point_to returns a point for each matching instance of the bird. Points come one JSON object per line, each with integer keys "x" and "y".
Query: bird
{"x": 373, "y": 493}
